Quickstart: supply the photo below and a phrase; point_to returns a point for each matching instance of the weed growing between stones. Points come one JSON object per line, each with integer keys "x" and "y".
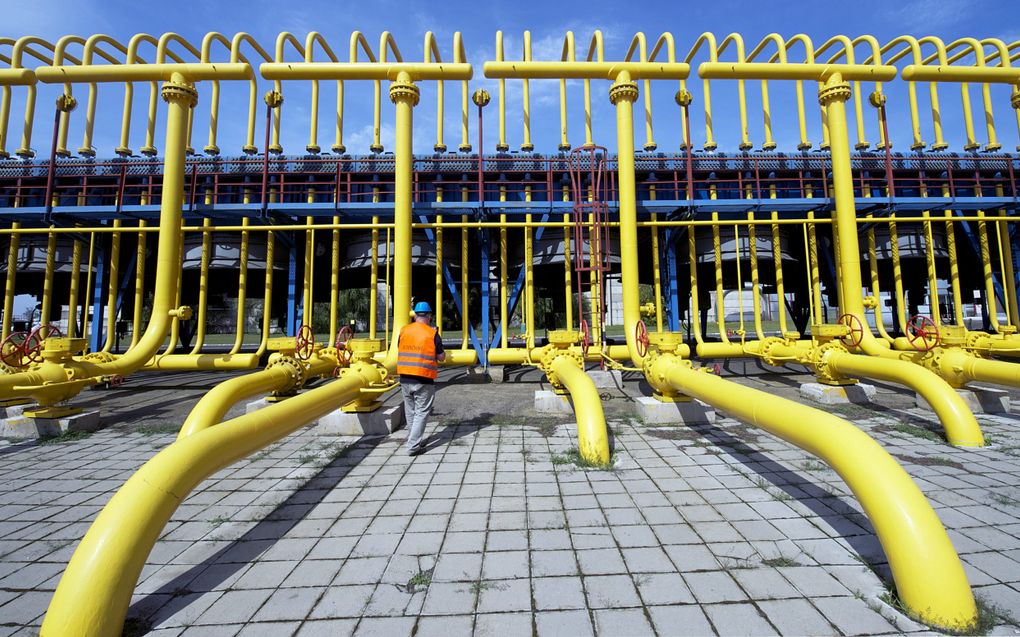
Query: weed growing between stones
{"x": 573, "y": 457}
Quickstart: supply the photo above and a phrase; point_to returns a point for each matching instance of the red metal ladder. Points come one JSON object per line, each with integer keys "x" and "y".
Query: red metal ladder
{"x": 589, "y": 195}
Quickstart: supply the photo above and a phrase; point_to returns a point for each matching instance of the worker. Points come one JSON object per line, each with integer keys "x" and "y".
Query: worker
{"x": 420, "y": 350}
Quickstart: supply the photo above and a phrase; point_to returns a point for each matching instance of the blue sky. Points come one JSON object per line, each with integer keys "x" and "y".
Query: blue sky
{"x": 478, "y": 21}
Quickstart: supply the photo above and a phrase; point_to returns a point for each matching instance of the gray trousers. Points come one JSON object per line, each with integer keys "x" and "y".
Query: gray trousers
{"x": 417, "y": 407}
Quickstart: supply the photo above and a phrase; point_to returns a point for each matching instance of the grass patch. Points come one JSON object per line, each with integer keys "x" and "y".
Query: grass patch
{"x": 736, "y": 564}
{"x": 218, "y": 520}
{"x": 418, "y": 582}
{"x": 780, "y": 562}
{"x": 69, "y": 436}
{"x": 1005, "y": 500}
{"x": 157, "y": 430}
{"x": 307, "y": 458}
{"x": 910, "y": 430}
{"x": 573, "y": 457}
{"x": 853, "y": 412}
{"x": 814, "y": 465}
{"x": 988, "y": 614}
{"x": 526, "y": 454}
{"x": 929, "y": 461}
{"x": 478, "y": 586}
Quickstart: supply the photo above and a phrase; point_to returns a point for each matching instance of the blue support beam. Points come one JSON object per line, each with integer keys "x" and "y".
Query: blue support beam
{"x": 96, "y": 333}
{"x": 292, "y": 303}
{"x": 672, "y": 283}
{"x": 483, "y": 242}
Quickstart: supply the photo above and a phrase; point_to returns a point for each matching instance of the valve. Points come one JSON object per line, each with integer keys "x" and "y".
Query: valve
{"x": 641, "y": 338}
{"x": 922, "y": 333}
{"x": 304, "y": 343}
{"x": 344, "y": 336}
{"x": 870, "y": 302}
{"x": 183, "y": 313}
{"x": 12, "y": 349}
{"x": 585, "y": 336}
{"x": 34, "y": 343}
{"x": 854, "y": 330}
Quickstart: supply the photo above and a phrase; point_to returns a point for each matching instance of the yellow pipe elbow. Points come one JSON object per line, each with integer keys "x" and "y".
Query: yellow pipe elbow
{"x": 961, "y": 427}
{"x": 929, "y": 577}
{"x": 592, "y": 436}
{"x": 94, "y": 592}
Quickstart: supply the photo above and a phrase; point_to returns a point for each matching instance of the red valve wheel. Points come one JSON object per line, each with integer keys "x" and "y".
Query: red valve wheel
{"x": 304, "y": 342}
{"x": 345, "y": 354}
{"x": 34, "y": 343}
{"x": 585, "y": 335}
{"x": 345, "y": 334}
{"x": 856, "y": 333}
{"x": 116, "y": 381}
{"x": 336, "y": 372}
{"x": 641, "y": 338}
{"x": 922, "y": 333}
{"x": 12, "y": 349}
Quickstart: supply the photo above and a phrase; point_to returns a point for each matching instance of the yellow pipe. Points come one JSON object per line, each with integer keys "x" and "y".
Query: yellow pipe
{"x": 876, "y": 289}
{"x": 113, "y": 289}
{"x": 741, "y": 331}
{"x": 12, "y": 271}
{"x": 954, "y": 266}
{"x": 1008, "y": 275}
{"x": 504, "y": 317}
{"x": 777, "y": 259}
{"x": 439, "y": 267}
{"x": 929, "y": 577}
{"x": 47, "y": 296}
{"x": 334, "y": 284}
{"x": 110, "y": 557}
{"x": 986, "y": 265}
{"x": 72, "y": 301}
{"x": 933, "y": 287}
{"x": 136, "y": 317}
{"x": 901, "y": 301}
{"x": 267, "y": 295}
{"x": 404, "y": 95}
{"x": 568, "y": 284}
{"x": 529, "y": 287}
{"x": 181, "y": 97}
{"x": 592, "y": 437}
{"x": 464, "y": 325}
{"x": 214, "y": 405}
{"x": 306, "y": 318}
{"x": 692, "y": 257}
{"x": 242, "y": 292}
{"x": 755, "y": 288}
{"x": 720, "y": 293}
{"x": 203, "y": 287}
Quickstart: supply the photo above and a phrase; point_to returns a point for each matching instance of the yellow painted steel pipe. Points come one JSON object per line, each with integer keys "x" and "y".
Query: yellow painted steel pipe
{"x": 412, "y": 71}
{"x": 194, "y": 72}
{"x": 800, "y": 71}
{"x": 586, "y": 70}
{"x": 592, "y": 436}
{"x": 930, "y": 580}
{"x": 201, "y": 362}
{"x": 946, "y": 73}
{"x": 95, "y": 590}
{"x": 623, "y": 94}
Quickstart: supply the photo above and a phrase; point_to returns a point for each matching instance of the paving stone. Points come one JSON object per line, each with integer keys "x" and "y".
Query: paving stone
{"x": 288, "y": 604}
{"x": 622, "y": 622}
{"x": 713, "y": 586}
{"x": 740, "y": 619}
{"x": 444, "y": 626}
{"x": 505, "y": 565}
{"x": 342, "y": 601}
{"x": 504, "y": 595}
{"x": 663, "y": 588}
{"x": 567, "y": 622}
{"x": 680, "y": 620}
{"x": 795, "y": 616}
{"x": 852, "y": 616}
{"x": 557, "y": 593}
{"x": 449, "y": 599}
{"x": 384, "y": 626}
{"x": 611, "y": 591}
{"x": 458, "y": 567}
{"x": 547, "y": 563}
{"x": 234, "y": 607}
{"x": 327, "y": 628}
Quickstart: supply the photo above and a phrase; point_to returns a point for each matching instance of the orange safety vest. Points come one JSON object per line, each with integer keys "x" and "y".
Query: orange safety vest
{"x": 416, "y": 351}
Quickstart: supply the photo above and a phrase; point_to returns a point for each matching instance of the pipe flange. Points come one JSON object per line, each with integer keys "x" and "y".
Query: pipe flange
{"x": 179, "y": 92}
{"x": 834, "y": 93}
{"x": 877, "y": 99}
{"x": 1014, "y": 99}
{"x": 480, "y": 97}
{"x": 626, "y": 91}
{"x": 404, "y": 92}
{"x": 823, "y": 371}
{"x": 99, "y": 357}
{"x": 766, "y": 350}
{"x": 273, "y": 99}
{"x": 683, "y": 97}
{"x": 66, "y": 103}
{"x": 295, "y": 370}
{"x": 978, "y": 343}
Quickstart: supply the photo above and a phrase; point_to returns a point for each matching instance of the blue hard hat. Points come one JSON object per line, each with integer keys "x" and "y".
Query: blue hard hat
{"x": 422, "y": 307}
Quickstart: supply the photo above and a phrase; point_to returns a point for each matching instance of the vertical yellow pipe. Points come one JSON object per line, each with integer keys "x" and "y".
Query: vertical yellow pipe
{"x": 404, "y": 95}
{"x": 88, "y": 281}
{"x": 439, "y": 267}
{"x": 12, "y": 271}
{"x": 1006, "y": 260}
{"x": 504, "y": 317}
{"x": 720, "y": 292}
{"x": 876, "y": 288}
{"x": 816, "y": 282}
{"x": 777, "y": 262}
{"x": 656, "y": 273}
{"x": 309, "y": 273}
{"x": 113, "y": 289}
{"x": 568, "y": 284}
{"x": 136, "y": 317}
{"x": 203, "y": 287}
{"x": 334, "y": 283}
{"x": 242, "y": 291}
{"x": 901, "y": 305}
{"x": 72, "y": 301}
{"x": 267, "y": 297}
{"x": 464, "y": 325}
{"x": 692, "y": 257}
{"x": 954, "y": 266}
{"x": 373, "y": 300}
{"x": 755, "y": 288}
{"x": 529, "y": 285}
{"x": 986, "y": 266}
{"x": 933, "y": 290}
{"x": 51, "y": 261}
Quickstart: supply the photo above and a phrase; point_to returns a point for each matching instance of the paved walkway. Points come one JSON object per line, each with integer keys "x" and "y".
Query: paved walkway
{"x": 699, "y": 530}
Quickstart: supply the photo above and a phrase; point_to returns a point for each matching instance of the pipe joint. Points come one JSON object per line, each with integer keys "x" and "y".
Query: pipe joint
{"x": 834, "y": 92}
{"x": 550, "y": 355}
{"x": 273, "y": 99}
{"x": 182, "y": 313}
{"x": 404, "y": 92}
{"x": 626, "y": 91}
{"x": 1014, "y": 99}
{"x": 825, "y": 371}
{"x": 66, "y": 103}
{"x": 179, "y": 92}
{"x": 657, "y": 367}
{"x": 683, "y": 98}
{"x": 296, "y": 370}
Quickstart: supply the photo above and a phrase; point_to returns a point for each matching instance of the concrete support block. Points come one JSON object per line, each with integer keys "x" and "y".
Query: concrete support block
{"x": 381, "y": 422}
{"x": 860, "y": 393}
{"x": 473, "y": 374}
{"x": 606, "y": 378}
{"x": 497, "y": 373}
{"x": 549, "y": 402}
{"x": 15, "y": 411}
{"x": 24, "y": 428}
{"x": 980, "y": 400}
{"x": 689, "y": 412}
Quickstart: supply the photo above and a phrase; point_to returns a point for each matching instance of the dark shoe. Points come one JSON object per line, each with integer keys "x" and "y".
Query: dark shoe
{"x": 417, "y": 451}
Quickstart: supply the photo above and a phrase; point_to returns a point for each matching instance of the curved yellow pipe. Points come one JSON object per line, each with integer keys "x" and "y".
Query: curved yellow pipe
{"x": 592, "y": 437}
{"x": 962, "y": 429}
{"x": 930, "y": 580}
{"x": 94, "y": 592}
